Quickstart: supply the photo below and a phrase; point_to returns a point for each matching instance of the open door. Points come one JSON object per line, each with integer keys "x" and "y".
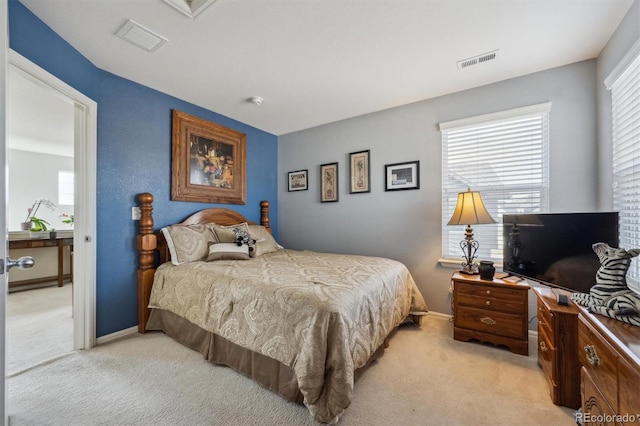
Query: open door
{"x": 3, "y": 210}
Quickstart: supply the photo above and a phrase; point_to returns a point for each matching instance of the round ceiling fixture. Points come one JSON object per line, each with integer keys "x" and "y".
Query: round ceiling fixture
{"x": 256, "y": 100}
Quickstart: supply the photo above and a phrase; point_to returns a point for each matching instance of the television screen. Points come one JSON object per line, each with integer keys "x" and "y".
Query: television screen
{"x": 555, "y": 248}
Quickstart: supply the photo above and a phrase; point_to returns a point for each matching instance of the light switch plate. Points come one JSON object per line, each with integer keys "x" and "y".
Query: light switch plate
{"x": 135, "y": 213}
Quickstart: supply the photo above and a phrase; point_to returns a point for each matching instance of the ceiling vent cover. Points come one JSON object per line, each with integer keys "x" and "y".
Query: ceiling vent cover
{"x": 479, "y": 59}
{"x": 190, "y": 8}
{"x": 141, "y": 36}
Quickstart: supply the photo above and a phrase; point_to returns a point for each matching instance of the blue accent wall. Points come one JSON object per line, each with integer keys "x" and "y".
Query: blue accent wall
{"x": 134, "y": 155}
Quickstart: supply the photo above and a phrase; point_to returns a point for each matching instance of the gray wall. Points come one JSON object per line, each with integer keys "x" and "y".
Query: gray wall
{"x": 405, "y": 225}
{"x": 626, "y": 35}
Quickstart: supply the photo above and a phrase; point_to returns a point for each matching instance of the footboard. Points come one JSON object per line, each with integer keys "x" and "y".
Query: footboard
{"x": 149, "y": 241}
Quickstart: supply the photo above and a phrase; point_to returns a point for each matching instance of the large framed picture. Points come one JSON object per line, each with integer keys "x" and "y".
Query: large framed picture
{"x": 297, "y": 181}
{"x": 329, "y": 182}
{"x": 207, "y": 161}
{"x": 402, "y": 176}
{"x": 359, "y": 172}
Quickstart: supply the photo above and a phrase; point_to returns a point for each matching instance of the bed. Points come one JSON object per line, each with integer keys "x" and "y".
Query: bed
{"x": 301, "y": 323}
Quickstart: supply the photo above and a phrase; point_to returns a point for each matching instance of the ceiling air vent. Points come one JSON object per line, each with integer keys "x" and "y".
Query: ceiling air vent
{"x": 141, "y": 36}
{"x": 190, "y": 8}
{"x": 485, "y": 57}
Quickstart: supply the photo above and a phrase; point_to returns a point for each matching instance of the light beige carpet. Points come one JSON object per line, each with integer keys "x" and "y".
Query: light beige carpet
{"x": 39, "y": 326}
{"x": 424, "y": 378}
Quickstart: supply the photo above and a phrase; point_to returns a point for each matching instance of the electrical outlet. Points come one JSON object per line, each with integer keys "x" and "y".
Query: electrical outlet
{"x": 135, "y": 213}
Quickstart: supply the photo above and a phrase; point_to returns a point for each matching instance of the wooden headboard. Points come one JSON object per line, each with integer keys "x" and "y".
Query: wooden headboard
{"x": 149, "y": 241}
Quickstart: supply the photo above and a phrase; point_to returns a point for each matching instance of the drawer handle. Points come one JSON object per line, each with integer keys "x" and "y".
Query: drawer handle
{"x": 488, "y": 292}
{"x": 487, "y": 321}
{"x": 488, "y": 303}
{"x": 592, "y": 356}
{"x": 542, "y": 323}
{"x": 543, "y": 347}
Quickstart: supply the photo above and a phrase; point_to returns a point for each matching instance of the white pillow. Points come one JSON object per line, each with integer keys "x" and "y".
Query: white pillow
{"x": 228, "y": 251}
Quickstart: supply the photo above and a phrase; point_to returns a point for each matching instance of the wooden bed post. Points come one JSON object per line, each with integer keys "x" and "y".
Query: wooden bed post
{"x": 147, "y": 243}
{"x": 264, "y": 214}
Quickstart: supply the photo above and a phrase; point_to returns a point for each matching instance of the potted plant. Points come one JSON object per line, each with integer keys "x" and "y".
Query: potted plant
{"x": 38, "y": 225}
{"x": 32, "y": 222}
{"x": 69, "y": 219}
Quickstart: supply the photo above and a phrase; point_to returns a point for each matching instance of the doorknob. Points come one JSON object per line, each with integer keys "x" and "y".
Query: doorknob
{"x": 24, "y": 262}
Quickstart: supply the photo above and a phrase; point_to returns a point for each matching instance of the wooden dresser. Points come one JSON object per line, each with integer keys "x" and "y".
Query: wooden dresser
{"x": 609, "y": 352}
{"x": 491, "y": 311}
{"x": 558, "y": 346}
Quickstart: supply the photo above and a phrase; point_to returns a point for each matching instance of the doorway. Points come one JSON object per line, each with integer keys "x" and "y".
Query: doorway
{"x": 83, "y": 112}
{"x": 40, "y": 151}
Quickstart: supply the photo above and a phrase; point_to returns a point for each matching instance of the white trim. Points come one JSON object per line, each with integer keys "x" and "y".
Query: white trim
{"x": 440, "y": 315}
{"x": 117, "y": 335}
{"x": 620, "y": 69}
{"x": 495, "y": 116}
{"x": 85, "y": 160}
{"x": 4, "y": 29}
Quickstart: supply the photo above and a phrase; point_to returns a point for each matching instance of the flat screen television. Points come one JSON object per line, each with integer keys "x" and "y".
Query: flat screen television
{"x": 555, "y": 248}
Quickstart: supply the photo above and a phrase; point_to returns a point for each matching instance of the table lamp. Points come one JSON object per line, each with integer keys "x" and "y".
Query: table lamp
{"x": 470, "y": 210}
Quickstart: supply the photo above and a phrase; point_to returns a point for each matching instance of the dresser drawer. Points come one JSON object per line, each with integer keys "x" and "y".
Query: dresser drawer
{"x": 595, "y": 409}
{"x": 496, "y": 323}
{"x": 545, "y": 320}
{"x": 488, "y": 297}
{"x": 546, "y": 357}
{"x": 629, "y": 380}
{"x": 599, "y": 360}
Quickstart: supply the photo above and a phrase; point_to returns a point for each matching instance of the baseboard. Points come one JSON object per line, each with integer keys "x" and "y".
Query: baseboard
{"x": 117, "y": 335}
{"x": 440, "y": 315}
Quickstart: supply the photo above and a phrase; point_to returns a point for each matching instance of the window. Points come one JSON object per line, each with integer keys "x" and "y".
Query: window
{"x": 504, "y": 156}
{"x": 624, "y": 83}
{"x": 65, "y": 188}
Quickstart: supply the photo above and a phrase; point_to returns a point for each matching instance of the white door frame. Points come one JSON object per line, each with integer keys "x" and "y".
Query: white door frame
{"x": 85, "y": 148}
{"x": 4, "y": 249}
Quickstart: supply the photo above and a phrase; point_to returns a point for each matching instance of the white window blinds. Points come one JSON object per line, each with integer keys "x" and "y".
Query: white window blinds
{"x": 504, "y": 156}
{"x": 625, "y": 108}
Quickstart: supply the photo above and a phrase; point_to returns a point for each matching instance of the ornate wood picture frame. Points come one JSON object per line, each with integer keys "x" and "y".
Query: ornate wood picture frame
{"x": 359, "y": 172}
{"x": 401, "y": 176}
{"x": 208, "y": 161}
{"x": 328, "y": 182}
{"x": 298, "y": 180}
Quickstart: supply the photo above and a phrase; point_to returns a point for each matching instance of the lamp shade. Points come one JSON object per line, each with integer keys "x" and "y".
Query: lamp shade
{"x": 470, "y": 210}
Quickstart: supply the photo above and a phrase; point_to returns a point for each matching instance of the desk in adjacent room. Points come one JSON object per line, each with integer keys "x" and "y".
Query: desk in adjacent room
{"x": 34, "y": 243}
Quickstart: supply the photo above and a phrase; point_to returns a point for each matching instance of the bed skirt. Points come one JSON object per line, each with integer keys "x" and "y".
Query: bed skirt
{"x": 265, "y": 370}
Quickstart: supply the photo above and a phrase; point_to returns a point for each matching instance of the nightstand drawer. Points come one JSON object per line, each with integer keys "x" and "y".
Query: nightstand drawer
{"x": 489, "y": 297}
{"x": 496, "y": 323}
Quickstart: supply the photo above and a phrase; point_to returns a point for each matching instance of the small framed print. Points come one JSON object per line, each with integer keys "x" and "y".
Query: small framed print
{"x": 359, "y": 172}
{"x": 402, "y": 176}
{"x": 297, "y": 180}
{"x": 329, "y": 182}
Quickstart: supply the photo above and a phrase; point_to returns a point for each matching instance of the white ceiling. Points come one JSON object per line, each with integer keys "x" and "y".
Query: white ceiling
{"x": 319, "y": 61}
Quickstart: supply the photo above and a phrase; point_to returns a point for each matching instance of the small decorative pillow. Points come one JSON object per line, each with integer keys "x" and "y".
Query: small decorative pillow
{"x": 228, "y": 251}
{"x": 188, "y": 243}
{"x": 265, "y": 243}
{"x": 226, "y": 234}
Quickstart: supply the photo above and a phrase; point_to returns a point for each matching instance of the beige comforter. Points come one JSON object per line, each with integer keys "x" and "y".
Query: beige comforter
{"x": 321, "y": 314}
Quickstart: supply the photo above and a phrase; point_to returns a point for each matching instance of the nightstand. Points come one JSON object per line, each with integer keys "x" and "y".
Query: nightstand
{"x": 493, "y": 312}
